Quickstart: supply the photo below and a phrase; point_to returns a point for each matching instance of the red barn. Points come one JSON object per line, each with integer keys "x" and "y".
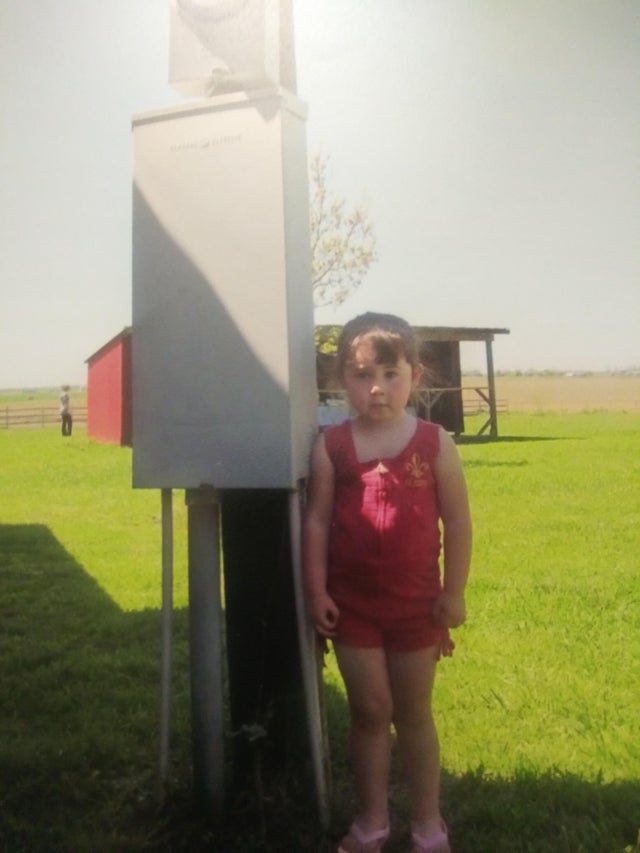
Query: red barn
{"x": 109, "y": 391}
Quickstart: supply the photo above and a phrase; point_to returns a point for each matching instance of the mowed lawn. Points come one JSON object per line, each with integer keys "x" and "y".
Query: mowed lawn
{"x": 537, "y": 711}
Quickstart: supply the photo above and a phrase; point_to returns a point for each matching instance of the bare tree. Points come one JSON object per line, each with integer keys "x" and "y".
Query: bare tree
{"x": 343, "y": 244}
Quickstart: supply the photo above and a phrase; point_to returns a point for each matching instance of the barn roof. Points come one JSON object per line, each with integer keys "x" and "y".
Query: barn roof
{"x": 125, "y": 333}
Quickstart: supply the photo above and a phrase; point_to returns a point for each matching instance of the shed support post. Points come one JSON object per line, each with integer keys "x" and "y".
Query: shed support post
{"x": 205, "y": 639}
{"x": 493, "y": 409}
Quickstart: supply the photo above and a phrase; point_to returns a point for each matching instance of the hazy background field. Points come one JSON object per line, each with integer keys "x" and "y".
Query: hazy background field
{"x": 519, "y": 392}
{"x": 614, "y": 392}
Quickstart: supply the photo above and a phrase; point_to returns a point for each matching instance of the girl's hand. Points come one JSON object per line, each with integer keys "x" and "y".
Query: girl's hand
{"x": 323, "y": 614}
{"x": 446, "y": 647}
{"x": 449, "y": 610}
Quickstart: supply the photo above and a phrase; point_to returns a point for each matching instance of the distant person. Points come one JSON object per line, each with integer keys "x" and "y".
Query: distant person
{"x": 65, "y": 411}
{"x": 381, "y": 484}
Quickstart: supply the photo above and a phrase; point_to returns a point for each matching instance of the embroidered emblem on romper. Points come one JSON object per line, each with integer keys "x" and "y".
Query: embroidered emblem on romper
{"x": 418, "y": 472}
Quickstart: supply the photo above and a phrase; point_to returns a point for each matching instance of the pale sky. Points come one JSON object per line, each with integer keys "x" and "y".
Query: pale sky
{"x": 496, "y": 146}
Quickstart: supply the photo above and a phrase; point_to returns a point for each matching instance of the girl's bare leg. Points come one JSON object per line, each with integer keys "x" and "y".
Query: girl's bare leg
{"x": 364, "y": 672}
{"x": 411, "y": 677}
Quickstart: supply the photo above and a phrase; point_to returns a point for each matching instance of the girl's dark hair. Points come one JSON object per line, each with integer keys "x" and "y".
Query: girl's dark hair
{"x": 391, "y": 337}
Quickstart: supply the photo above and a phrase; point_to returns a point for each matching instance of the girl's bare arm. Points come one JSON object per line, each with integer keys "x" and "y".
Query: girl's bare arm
{"x": 456, "y": 523}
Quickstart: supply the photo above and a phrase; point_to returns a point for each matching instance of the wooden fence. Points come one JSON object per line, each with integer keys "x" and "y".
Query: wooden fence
{"x": 12, "y": 417}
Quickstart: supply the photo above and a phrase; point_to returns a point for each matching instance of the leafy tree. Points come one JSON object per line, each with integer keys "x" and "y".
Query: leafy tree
{"x": 343, "y": 243}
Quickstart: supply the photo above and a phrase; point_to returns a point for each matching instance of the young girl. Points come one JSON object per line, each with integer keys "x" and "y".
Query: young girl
{"x": 381, "y": 484}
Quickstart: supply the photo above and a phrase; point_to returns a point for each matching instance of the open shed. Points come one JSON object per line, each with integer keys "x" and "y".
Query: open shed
{"x": 441, "y": 397}
{"x": 109, "y": 391}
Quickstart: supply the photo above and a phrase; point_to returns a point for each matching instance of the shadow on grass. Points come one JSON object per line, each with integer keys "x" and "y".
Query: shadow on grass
{"x": 79, "y": 737}
{"x": 554, "y": 812}
{"x": 78, "y": 703}
{"x": 495, "y": 463}
{"x": 507, "y": 439}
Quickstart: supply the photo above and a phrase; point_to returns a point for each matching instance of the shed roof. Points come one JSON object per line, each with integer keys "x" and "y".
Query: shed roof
{"x": 444, "y": 333}
{"x": 458, "y": 333}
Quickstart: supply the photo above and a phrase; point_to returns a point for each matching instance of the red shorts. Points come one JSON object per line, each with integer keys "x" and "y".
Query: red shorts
{"x": 394, "y": 634}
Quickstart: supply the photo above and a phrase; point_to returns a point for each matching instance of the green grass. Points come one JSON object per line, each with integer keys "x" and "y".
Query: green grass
{"x": 537, "y": 711}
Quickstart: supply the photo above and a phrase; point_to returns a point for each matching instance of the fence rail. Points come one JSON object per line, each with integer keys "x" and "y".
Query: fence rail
{"x": 12, "y": 417}
{"x": 475, "y": 400}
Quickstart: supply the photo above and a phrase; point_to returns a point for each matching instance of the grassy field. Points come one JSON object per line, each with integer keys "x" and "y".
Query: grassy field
{"x": 537, "y": 711}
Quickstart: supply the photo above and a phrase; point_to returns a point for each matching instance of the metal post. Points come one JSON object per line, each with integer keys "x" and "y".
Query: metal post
{"x": 205, "y": 636}
{"x": 166, "y": 636}
{"x": 311, "y": 670}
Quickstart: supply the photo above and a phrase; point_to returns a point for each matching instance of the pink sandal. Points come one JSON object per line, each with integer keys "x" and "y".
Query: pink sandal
{"x": 437, "y": 843}
{"x": 358, "y": 841}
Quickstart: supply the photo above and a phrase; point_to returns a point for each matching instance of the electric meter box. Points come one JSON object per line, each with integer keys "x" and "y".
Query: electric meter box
{"x": 224, "y": 387}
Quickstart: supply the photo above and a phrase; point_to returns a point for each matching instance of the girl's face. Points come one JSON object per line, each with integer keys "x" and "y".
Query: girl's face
{"x": 378, "y": 392}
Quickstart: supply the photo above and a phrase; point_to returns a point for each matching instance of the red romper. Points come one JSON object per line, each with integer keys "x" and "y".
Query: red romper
{"x": 384, "y": 542}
